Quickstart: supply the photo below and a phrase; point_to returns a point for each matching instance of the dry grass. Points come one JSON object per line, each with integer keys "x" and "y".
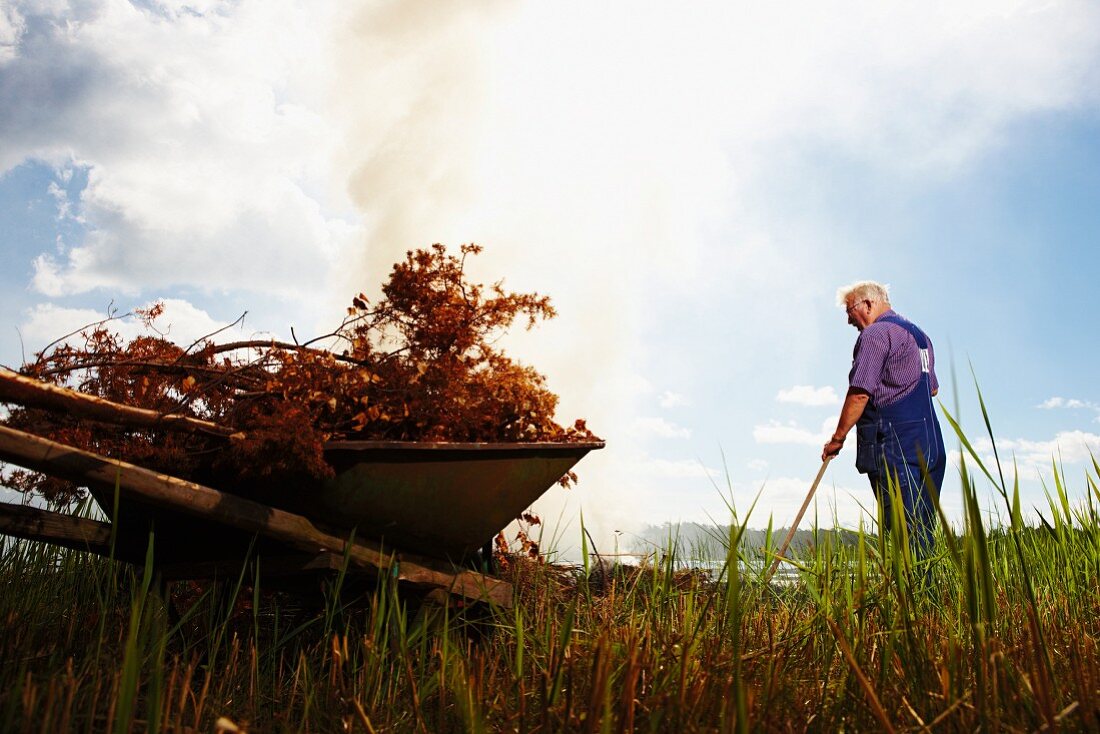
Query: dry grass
{"x": 998, "y": 632}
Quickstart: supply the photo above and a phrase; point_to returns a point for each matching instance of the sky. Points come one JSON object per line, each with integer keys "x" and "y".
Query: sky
{"x": 690, "y": 183}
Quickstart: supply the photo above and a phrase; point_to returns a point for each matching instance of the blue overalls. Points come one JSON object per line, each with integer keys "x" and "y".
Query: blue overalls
{"x": 904, "y": 439}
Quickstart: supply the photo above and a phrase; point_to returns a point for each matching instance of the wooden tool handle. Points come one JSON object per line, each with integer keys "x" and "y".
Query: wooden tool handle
{"x": 797, "y": 519}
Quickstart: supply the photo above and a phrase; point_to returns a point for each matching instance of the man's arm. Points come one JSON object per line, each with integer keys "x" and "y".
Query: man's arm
{"x": 854, "y": 404}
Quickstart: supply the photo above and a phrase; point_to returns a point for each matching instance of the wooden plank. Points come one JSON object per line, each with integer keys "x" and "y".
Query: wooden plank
{"x": 294, "y": 531}
{"x": 465, "y": 446}
{"x": 32, "y": 393}
{"x": 270, "y": 566}
{"x": 69, "y": 531}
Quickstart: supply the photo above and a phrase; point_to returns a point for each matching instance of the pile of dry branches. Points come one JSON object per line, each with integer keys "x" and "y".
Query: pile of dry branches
{"x": 418, "y": 365}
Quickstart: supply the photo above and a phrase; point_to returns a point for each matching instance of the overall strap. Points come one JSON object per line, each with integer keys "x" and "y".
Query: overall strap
{"x": 918, "y": 336}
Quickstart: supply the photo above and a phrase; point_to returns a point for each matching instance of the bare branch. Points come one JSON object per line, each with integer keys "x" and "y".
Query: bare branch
{"x": 101, "y": 322}
{"x": 201, "y": 339}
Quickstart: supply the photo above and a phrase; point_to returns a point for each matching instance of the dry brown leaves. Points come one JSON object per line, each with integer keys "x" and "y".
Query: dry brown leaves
{"x": 419, "y": 365}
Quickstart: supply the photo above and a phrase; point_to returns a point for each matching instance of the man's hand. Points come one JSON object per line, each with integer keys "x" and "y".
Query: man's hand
{"x": 832, "y": 448}
{"x": 854, "y": 404}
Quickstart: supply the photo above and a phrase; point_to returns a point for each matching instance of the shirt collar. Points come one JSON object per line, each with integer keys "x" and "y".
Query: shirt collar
{"x": 884, "y": 314}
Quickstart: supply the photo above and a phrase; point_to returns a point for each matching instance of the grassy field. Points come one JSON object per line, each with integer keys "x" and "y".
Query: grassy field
{"x": 997, "y": 632}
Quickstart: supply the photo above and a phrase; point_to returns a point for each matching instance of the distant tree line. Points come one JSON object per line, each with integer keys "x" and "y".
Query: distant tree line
{"x": 691, "y": 540}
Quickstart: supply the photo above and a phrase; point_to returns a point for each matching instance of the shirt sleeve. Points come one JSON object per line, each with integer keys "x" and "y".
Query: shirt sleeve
{"x": 869, "y": 360}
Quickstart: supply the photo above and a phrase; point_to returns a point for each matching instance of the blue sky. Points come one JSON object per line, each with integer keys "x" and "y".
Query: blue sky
{"x": 689, "y": 185}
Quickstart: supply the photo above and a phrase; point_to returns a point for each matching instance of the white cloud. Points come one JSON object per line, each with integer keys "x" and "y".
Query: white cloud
{"x": 1058, "y": 402}
{"x": 1066, "y": 447}
{"x": 203, "y": 136}
{"x": 661, "y": 427}
{"x": 809, "y": 395}
{"x": 61, "y": 198}
{"x": 671, "y": 399}
{"x": 790, "y": 433}
{"x": 674, "y": 469}
{"x": 758, "y": 465}
{"x": 635, "y": 384}
{"x": 181, "y": 322}
{"x": 11, "y": 29}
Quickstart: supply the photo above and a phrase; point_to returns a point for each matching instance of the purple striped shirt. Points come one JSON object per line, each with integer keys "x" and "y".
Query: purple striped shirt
{"x": 886, "y": 362}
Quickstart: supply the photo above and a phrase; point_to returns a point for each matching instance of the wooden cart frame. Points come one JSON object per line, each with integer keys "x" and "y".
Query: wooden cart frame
{"x": 413, "y": 511}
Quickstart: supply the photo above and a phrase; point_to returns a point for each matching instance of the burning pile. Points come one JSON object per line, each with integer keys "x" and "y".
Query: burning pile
{"x": 418, "y": 365}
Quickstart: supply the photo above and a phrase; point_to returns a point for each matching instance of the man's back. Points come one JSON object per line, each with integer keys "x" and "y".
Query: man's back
{"x": 886, "y": 361}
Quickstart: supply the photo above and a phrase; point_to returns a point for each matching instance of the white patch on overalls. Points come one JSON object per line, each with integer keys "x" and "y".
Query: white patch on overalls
{"x": 925, "y": 360}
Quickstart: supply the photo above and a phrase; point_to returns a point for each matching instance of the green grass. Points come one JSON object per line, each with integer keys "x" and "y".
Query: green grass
{"x": 998, "y": 632}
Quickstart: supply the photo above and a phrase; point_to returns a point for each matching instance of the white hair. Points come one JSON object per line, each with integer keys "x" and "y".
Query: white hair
{"x": 863, "y": 290}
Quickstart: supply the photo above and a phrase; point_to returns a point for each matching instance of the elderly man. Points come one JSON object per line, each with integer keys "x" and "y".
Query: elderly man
{"x": 889, "y": 402}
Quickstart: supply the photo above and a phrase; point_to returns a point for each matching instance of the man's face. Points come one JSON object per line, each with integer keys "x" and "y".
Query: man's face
{"x": 859, "y": 312}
